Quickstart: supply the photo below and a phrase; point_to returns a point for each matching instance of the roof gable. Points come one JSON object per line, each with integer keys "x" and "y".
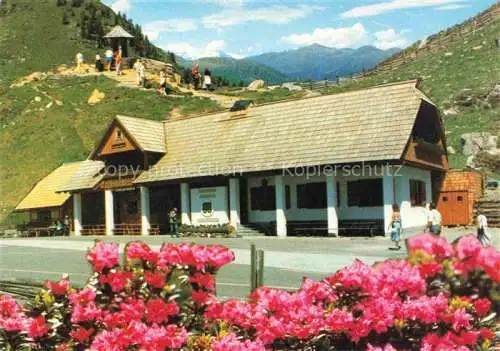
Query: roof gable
{"x": 128, "y": 134}
{"x": 118, "y": 32}
{"x": 372, "y": 124}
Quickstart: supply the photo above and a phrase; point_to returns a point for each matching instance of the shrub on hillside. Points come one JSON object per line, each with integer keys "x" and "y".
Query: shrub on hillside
{"x": 442, "y": 297}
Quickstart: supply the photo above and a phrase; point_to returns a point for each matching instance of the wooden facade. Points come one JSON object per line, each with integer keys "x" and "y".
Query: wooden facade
{"x": 459, "y": 192}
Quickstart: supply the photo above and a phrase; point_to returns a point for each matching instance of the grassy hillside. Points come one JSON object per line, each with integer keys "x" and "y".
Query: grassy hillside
{"x": 239, "y": 70}
{"x": 458, "y": 77}
{"x": 36, "y": 138}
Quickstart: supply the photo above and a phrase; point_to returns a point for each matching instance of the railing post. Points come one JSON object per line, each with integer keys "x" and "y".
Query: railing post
{"x": 253, "y": 268}
{"x": 260, "y": 272}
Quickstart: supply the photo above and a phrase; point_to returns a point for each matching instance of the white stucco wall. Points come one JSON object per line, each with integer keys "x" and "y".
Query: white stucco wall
{"x": 218, "y": 197}
{"x": 412, "y": 217}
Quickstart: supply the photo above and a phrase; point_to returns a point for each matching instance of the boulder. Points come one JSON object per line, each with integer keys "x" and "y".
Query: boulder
{"x": 494, "y": 95}
{"x": 291, "y": 87}
{"x": 95, "y": 97}
{"x": 256, "y": 85}
{"x": 453, "y": 111}
{"x": 472, "y": 143}
{"x": 451, "y": 150}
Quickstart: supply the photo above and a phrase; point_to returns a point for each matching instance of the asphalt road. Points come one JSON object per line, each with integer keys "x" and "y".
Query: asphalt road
{"x": 287, "y": 260}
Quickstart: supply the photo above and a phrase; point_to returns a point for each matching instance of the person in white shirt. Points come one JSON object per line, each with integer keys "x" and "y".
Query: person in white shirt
{"x": 109, "y": 58}
{"x": 434, "y": 220}
{"x": 137, "y": 69}
{"x": 482, "y": 230}
{"x": 79, "y": 61}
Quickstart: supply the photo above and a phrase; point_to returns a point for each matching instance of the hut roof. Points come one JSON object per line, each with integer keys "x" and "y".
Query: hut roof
{"x": 118, "y": 32}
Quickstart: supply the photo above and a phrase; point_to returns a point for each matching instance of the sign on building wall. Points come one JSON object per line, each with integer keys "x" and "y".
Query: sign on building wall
{"x": 209, "y": 206}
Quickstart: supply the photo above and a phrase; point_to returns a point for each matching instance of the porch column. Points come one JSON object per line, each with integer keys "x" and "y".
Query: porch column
{"x": 77, "y": 213}
{"x": 279, "y": 186}
{"x": 145, "y": 211}
{"x": 331, "y": 202}
{"x": 185, "y": 204}
{"x": 388, "y": 191}
{"x": 234, "y": 202}
{"x": 109, "y": 212}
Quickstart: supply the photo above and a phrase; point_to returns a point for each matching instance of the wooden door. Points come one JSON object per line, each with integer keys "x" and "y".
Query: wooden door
{"x": 454, "y": 207}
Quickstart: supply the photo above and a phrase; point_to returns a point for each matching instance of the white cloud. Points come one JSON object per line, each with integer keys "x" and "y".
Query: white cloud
{"x": 235, "y": 55}
{"x": 153, "y": 29}
{"x": 122, "y": 6}
{"x": 377, "y": 9}
{"x": 389, "y": 38}
{"x": 184, "y": 49}
{"x": 452, "y": 7}
{"x": 227, "y": 3}
{"x": 333, "y": 37}
{"x": 277, "y": 14}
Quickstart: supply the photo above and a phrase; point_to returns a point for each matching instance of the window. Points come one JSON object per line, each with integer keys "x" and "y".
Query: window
{"x": 460, "y": 198}
{"x": 263, "y": 198}
{"x": 311, "y": 195}
{"x": 43, "y": 215}
{"x": 445, "y": 198}
{"x": 417, "y": 193}
{"x": 365, "y": 193}
{"x": 118, "y": 134}
{"x": 338, "y": 194}
{"x": 131, "y": 207}
{"x": 288, "y": 199}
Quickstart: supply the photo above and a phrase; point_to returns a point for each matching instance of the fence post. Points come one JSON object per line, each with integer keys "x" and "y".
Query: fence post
{"x": 260, "y": 272}
{"x": 253, "y": 268}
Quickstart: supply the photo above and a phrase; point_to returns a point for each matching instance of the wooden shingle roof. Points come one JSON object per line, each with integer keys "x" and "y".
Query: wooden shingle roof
{"x": 44, "y": 194}
{"x": 86, "y": 176}
{"x": 372, "y": 124}
{"x": 149, "y": 135}
{"x": 118, "y": 32}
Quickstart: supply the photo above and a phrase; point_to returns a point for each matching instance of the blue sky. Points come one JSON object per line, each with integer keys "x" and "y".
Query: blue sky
{"x": 200, "y": 28}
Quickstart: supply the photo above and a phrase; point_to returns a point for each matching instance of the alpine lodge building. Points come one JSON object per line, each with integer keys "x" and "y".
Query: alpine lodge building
{"x": 325, "y": 165}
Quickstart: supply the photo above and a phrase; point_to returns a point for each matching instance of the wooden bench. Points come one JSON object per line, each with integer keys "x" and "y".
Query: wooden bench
{"x": 154, "y": 230}
{"x": 127, "y": 229}
{"x": 93, "y": 229}
{"x": 308, "y": 228}
{"x": 360, "y": 227}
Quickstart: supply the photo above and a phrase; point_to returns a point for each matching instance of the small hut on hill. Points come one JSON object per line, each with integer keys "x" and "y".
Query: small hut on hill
{"x": 119, "y": 37}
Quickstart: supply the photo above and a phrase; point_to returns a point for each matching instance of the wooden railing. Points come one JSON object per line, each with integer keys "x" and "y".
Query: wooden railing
{"x": 93, "y": 229}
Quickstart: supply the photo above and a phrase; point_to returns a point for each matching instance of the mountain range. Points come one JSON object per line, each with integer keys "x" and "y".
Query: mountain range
{"x": 313, "y": 62}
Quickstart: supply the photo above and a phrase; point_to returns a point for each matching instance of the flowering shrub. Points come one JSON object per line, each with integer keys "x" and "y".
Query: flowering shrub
{"x": 442, "y": 297}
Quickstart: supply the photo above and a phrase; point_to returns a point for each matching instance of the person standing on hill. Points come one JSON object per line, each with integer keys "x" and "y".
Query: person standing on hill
{"x": 207, "y": 79}
{"x": 195, "y": 71}
{"x": 482, "y": 230}
{"x": 118, "y": 63}
{"x": 434, "y": 220}
{"x": 79, "y": 61}
{"x": 137, "y": 69}
{"x": 109, "y": 58}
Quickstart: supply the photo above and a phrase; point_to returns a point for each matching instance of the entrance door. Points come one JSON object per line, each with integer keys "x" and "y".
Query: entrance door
{"x": 243, "y": 200}
{"x": 454, "y": 207}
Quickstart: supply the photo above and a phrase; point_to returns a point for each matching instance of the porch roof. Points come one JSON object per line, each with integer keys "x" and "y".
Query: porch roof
{"x": 44, "y": 195}
{"x": 86, "y": 176}
{"x": 372, "y": 124}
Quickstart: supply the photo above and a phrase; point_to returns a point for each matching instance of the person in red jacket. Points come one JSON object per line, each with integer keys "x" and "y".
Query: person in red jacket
{"x": 195, "y": 71}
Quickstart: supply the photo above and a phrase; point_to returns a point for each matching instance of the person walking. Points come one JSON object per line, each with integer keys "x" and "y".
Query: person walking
{"x": 207, "y": 79}
{"x": 137, "y": 68}
{"x": 67, "y": 225}
{"x": 98, "y": 63}
{"x": 109, "y": 58}
{"x": 118, "y": 63}
{"x": 163, "y": 83}
{"x": 79, "y": 61}
{"x": 195, "y": 71}
{"x": 395, "y": 226}
{"x": 172, "y": 222}
{"x": 434, "y": 220}
{"x": 482, "y": 230}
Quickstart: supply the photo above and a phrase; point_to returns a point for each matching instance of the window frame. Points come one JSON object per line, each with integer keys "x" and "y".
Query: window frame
{"x": 418, "y": 192}
{"x": 312, "y": 201}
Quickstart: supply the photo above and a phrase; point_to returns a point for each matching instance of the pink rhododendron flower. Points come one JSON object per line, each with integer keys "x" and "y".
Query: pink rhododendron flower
{"x": 356, "y": 276}
{"x": 160, "y": 338}
{"x": 489, "y": 261}
{"x": 117, "y": 280}
{"x": 82, "y": 297}
{"x": 482, "y": 306}
{"x": 431, "y": 244}
{"x": 81, "y": 334}
{"x": 12, "y": 318}
{"x": 104, "y": 255}
{"x": 142, "y": 251}
{"x": 387, "y": 347}
{"x": 206, "y": 281}
{"x": 461, "y": 319}
{"x": 232, "y": 343}
{"x": 58, "y": 288}
{"x": 468, "y": 246}
{"x": 37, "y": 327}
{"x": 86, "y": 313}
{"x": 155, "y": 279}
{"x": 158, "y": 311}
